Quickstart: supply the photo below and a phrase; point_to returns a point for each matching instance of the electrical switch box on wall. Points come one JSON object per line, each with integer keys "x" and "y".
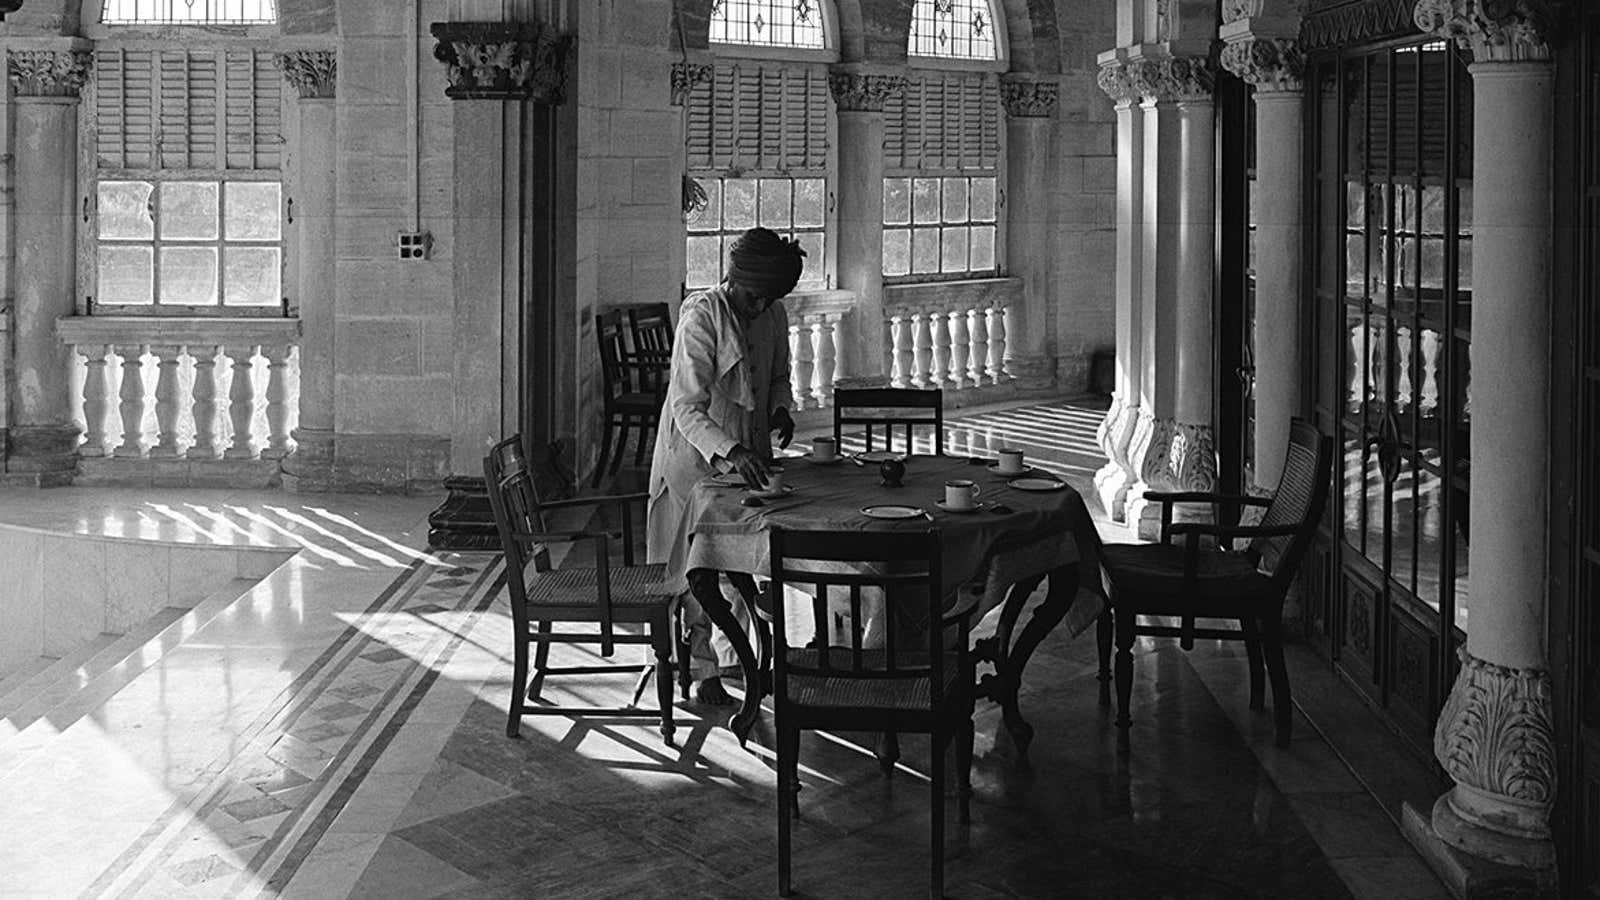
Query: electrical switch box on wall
{"x": 414, "y": 244}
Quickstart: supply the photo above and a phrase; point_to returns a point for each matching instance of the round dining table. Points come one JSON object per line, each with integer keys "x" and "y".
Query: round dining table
{"x": 1024, "y": 528}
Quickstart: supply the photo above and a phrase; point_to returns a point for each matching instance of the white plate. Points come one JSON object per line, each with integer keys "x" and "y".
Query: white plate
{"x": 959, "y": 509}
{"x": 891, "y": 511}
{"x": 1037, "y": 484}
{"x": 879, "y": 456}
{"x": 995, "y": 468}
{"x": 785, "y": 491}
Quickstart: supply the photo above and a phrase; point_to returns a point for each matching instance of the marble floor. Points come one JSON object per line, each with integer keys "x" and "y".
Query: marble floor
{"x": 338, "y": 731}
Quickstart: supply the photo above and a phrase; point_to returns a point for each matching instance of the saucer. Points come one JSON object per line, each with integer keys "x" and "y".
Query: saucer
{"x": 892, "y": 511}
{"x": 959, "y": 509}
{"x": 831, "y": 461}
{"x": 873, "y": 456}
{"x": 785, "y": 491}
{"x": 1037, "y": 484}
{"x": 1009, "y": 473}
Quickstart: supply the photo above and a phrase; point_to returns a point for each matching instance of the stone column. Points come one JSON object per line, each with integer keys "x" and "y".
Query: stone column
{"x": 1173, "y": 448}
{"x": 1116, "y": 431}
{"x": 314, "y": 75}
{"x": 1030, "y": 123}
{"x": 858, "y": 99}
{"x": 43, "y": 439}
{"x": 1494, "y": 736}
{"x": 495, "y": 70}
{"x": 1275, "y": 66}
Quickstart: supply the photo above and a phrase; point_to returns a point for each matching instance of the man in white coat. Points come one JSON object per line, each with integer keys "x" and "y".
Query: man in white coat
{"x": 729, "y": 389}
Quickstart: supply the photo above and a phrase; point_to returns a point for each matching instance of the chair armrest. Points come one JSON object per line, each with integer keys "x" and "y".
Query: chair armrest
{"x": 559, "y": 537}
{"x": 602, "y": 499}
{"x": 1234, "y": 531}
{"x": 1206, "y": 497}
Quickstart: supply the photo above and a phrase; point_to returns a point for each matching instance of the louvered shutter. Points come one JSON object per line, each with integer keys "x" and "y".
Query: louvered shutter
{"x": 759, "y": 117}
{"x": 254, "y": 110}
{"x": 944, "y": 121}
{"x": 124, "y": 108}
{"x": 187, "y": 109}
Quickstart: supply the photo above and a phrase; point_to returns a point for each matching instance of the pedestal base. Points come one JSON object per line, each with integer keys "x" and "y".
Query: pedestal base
{"x": 39, "y": 455}
{"x": 309, "y": 469}
{"x": 1467, "y": 876}
{"x": 1111, "y": 486}
{"x": 464, "y": 521}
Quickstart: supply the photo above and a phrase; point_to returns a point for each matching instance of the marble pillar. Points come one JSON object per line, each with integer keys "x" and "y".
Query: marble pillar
{"x": 863, "y": 359}
{"x": 314, "y": 75}
{"x": 1030, "y": 123}
{"x": 1275, "y": 67}
{"x": 1115, "y": 432}
{"x": 1494, "y": 736}
{"x": 42, "y": 437}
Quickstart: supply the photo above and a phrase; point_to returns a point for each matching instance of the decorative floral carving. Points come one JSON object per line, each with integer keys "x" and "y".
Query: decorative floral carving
{"x": 502, "y": 60}
{"x": 1271, "y": 64}
{"x": 1192, "y": 457}
{"x": 314, "y": 73}
{"x": 1234, "y": 10}
{"x": 861, "y": 91}
{"x": 49, "y": 73}
{"x": 1498, "y": 30}
{"x": 1030, "y": 99}
{"x": 1338, "y": 24}
{"x": 1117, "y": 83}
{"x": 1102, "y": 432}
{"x": 1280, "y": 10}
{"x": 685, "y": 75}
{"x": 1495, "y": 733}
{"x": 1181, "y": 78}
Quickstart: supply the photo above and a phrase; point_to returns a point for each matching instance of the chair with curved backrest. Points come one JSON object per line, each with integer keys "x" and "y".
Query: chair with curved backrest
{"x": 604, "y": 595}
{"x": 889, "y": 408}
{"x": 1189, "y": 581}
{"x": 920, "y": 684}
{"x": 633, "y": 387}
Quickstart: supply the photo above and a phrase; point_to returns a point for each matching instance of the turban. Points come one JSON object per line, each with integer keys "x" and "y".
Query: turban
{"x": 764, "y": 263}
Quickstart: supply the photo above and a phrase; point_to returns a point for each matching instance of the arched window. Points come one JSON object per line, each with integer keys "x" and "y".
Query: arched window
{"x": 953, "y": 29}
{"x": 768, "y": 23}
{"x": 188, "y": 12}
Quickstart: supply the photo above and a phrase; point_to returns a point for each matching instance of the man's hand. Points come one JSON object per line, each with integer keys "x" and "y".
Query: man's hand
{"x": 749, "y": 466}
{"x": 783, "y": 424}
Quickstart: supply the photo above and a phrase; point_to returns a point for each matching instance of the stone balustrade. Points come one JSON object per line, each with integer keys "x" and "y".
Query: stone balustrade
{"x": 195, "y": 390}
{"x": 950, "y": 335}
{"x": 820, "y": 323}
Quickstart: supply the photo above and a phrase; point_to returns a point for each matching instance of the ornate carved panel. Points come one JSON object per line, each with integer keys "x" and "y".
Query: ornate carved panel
{"x": 1335, "y": 23}
{"x": 503, "y": 60}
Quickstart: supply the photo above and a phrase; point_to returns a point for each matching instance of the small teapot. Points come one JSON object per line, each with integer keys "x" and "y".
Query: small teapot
{"x": 892, "y": 471}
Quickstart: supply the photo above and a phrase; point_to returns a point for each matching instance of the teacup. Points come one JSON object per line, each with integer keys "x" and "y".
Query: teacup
{"x": 823, "y": 449}
{"x": 1011, "y": 463}
{"x": 774, "y": 482}
{"x": 960, "y": 494}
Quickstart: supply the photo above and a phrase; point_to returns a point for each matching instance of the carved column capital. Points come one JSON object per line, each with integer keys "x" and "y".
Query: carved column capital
{"x": 1496, "y": 30}
{"x": 863, "y": 91}
{"x": 1179, "y": 78}
{"x": 1496, "y": 738}
{"x": 1271, "y": 64}
{"x": 685, "y": 75}
{"x": 49, "y": 73}
{"x": 1116, "y": 81}
{"x": 503, "y": 60}
{"x": 314, "y": 73}
{"x": 1030, "y": 99}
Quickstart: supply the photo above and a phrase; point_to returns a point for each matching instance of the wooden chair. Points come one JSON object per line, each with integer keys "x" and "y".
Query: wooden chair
{"x": 650, "y": 327}
{"x": 889, "y": 408}
{"x": 1190, "y": 581}
{"x": 633, "y": 391}
{"x": 602, "y": 594}
{"x": 921, "y": 685}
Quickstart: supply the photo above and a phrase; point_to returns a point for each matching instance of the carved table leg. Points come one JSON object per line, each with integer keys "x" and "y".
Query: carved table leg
{"x": 1003, "y": 685}
{"x": 703, "y": 583}
{"x": 746, "y": 584}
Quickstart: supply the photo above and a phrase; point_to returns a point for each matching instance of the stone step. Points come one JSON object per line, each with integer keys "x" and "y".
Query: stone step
{"x": 15, "y": 678}
{"x": 61, "y": 669}
{"x": 114, "y": 671}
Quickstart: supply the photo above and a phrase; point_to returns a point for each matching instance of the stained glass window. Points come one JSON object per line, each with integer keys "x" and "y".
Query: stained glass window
{"x": 768, "y": 23}
{"x": 188, "y": 12}
{"x": 953, "y": 29}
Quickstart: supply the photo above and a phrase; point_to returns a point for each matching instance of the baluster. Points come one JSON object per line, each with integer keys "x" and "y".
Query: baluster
{"x": 1402, "y": 385}
{"x": 957, "y": 372}
{"x": 205, "y": 402}
{"x": 1430, "y": 371}
{"x": 803, "y": 367}
{"x": 166, "y": 401}
{"x": 978, "y": 337}
{"x": 826, "y": 356}
{"x": 941, "y": 349}
{"x": 922, "y": 350}
{"x": 1008, "y": 327}
{"x": 277, "y": 402}
{"x": 997, "y": 344}
{"x": 904, "y": 351}
{"x": 95, "y": 388}
{"x": 241, "y": 402}
{"x": 132, "y": 406}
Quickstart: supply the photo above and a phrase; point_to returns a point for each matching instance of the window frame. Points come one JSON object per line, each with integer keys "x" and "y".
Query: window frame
{"x": 1002, "y": 49}
{"x": 827, "y": 53}
{"x": 828, "y": 229}
{"x": 968, "y": 274}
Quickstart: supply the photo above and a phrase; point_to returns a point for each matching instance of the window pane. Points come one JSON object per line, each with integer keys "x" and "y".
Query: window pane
{"x": 187, "y": 12}
{"x": 809, "y": 211}
{"x": 251, "y": 212}
{"x": 124, "y": 210}
{"x": 189, "y": 276}
{"x": 815, "y": 270}
{"x": 188, "y": 211}
{"x": 251, "y": 276}
{"x": 982, "y": 248}
{"x": 704, "y": 261}
{"x": 897, "y": 201}
{"x": 124, "y": 274}
{"x": 775, "y": 193}
{"x": 955, "y": 200}
{"x": 925, "y": 201}
{"x": 983, "y": 194}
{"x": 896, "y": 251}
{"x": 1355, "y": 197}
{"x": 708, "y": 217}
{"x": 925, "y": 250}
{"x": 954, "y": 255}
{"x": 739, "y": 203}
